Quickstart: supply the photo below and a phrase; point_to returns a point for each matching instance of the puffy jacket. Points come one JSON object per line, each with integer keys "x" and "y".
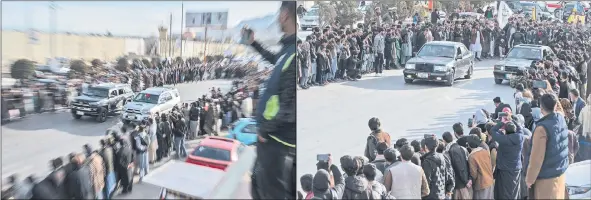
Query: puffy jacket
{"x": 356, "y": 187}
{"x": 438, "y": 175}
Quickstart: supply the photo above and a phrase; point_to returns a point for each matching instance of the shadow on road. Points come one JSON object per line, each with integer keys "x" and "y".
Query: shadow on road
{"x": 60, "y": 121}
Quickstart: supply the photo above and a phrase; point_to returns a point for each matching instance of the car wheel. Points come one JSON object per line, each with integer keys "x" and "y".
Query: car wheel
{"x": 470, "y": 72}
{"x": 498, "y": 81}
{"x": 76, "y": 116}
{"x": 451, "y": 79}
{"x": 409, "y": 81}
{"x": 102, "y": 116}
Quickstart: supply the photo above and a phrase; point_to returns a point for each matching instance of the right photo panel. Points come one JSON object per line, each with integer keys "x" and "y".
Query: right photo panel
{"x": 443, "y": 100}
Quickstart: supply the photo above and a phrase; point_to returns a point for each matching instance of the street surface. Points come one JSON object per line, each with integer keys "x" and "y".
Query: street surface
{"x": 333, "y": 119}
{"x": 29, "y": 144}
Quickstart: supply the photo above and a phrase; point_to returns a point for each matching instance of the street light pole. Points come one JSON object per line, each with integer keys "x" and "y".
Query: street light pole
{"x": 182, "y": 19}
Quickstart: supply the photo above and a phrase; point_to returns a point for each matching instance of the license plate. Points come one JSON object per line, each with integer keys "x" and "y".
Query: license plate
{"x": 79, "y": 113}
{"x": 508, "y": 76}
{"x": 423, "y": 75}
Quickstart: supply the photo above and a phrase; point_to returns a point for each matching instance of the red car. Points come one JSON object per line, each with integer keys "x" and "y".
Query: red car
{"x": 216, "y": 152}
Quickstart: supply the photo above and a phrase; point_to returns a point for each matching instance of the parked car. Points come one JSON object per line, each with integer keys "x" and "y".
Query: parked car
{"x": 578, "y": 180}
{"x": 311, "y": 19}
{"x": 244, "y": 130}
{"x": 216, "y": 152}
{"x": 149, "y": 102}
{"x": 440, "y": 61}
{"x": 101, "y": 100}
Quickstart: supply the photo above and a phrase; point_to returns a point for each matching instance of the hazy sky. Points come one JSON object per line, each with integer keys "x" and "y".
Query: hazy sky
{"x": 136, "y": 18}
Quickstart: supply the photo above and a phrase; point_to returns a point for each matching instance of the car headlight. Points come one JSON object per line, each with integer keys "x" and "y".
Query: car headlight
{"x": 499, "y": 67}
{"x": 574, "y": 190}
{"x": 409, "y": 66}
{"x": 98, "y": 103}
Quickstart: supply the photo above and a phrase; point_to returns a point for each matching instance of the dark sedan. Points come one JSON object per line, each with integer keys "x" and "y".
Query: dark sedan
{"x": 440, "y": 61}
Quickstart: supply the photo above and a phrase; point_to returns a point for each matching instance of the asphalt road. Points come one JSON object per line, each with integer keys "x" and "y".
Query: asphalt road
{"x": 333, "y": 119}
{"x": 29, "y": 144}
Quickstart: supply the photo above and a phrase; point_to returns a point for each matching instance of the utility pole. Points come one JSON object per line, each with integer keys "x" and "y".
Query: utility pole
{"x": 170, "y": 47}
{"x": 182, "y": 28}
{"x": 52, "y": 24}
{"x": 205, "y": 46}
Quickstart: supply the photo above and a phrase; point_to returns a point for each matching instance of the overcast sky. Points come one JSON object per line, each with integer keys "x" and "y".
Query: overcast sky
{"x": 133, "y": 18}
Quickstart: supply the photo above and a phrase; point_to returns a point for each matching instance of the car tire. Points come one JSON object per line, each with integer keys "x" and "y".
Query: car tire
{"x": 102, "y": 116}
{"x": 408, "y": 81}
{"x": 451, "y": 79}
{"x": 470, "y": 72}
{"x": 499, "y": 81}
{"x": 76, "y": 116}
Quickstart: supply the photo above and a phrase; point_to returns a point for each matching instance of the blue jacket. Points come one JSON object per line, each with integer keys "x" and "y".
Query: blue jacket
{"x": 556, "y": 155}
{"x": 510, "y": 147}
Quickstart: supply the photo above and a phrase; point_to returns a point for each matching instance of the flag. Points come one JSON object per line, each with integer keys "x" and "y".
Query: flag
{"x": 431, "y": 4}
{"x": 534, "y": 14}
{"x": 503, "y": 14}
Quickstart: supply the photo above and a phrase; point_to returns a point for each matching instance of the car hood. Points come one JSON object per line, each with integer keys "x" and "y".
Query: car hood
{"x": 431, "y": 60}
{"x": 88, "y": 99}
{"x": 310, "y": 17}
{"x": 139, "y": 106}
{"x": 515, "y": 62}
{"x": 577, "y": 174}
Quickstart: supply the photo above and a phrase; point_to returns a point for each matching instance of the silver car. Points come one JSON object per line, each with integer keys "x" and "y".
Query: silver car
{"x": 519, "y": 59}
{"x": 440, "y": 61}
{"x": 147, "y": 103}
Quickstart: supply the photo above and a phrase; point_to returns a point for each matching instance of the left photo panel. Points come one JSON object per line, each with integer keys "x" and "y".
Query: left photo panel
{"x": 149, "y": 100}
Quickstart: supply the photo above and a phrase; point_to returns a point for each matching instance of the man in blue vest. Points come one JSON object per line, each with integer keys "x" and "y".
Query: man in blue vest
{"x": 274, "y": 172}
{"x": 549, "y": 153}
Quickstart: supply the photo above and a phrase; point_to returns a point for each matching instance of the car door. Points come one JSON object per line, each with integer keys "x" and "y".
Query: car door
{"x": 467, "y": 59}
{"x": 165, "y": 102}
{"x": 113, "y": 99}
{"x": 459, "y": 61}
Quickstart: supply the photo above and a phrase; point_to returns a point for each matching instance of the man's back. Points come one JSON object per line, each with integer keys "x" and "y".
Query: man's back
{"x": 407, "y": 181}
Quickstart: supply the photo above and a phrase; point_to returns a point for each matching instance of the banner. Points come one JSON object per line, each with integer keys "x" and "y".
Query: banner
{"x": 216, "y": 20}
{"x": 503, "y": 14}
{"x": 534, "y": 14}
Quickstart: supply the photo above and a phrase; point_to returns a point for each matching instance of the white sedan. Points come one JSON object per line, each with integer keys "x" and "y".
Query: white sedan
{"x": 578, "y": 180}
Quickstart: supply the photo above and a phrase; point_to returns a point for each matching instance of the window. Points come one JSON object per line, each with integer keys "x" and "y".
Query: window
{"x": 251, "y": 128}
{"x": 212, "y": 153}
{"x": 165, "y": 97}
{"x": 97, "y": 92}
{"x": 146, "y": 98}
{"x": 121, "y": 91}
{"x": 114, "y": 93}
{"x": 433, "y": 50}
{"x": 459, "y": 51}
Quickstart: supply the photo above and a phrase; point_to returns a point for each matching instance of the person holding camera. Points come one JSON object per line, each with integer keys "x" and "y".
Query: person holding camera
{"x": 549, "y": 152}
{"x": 328, "y": 183}
{"x": 509, "y": 136}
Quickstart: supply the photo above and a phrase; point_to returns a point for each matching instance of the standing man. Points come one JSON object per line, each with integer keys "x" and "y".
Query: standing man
{"x": 379, "y": 45}
{"x": 274, "y": 171}
{"x": 549, "y": 153}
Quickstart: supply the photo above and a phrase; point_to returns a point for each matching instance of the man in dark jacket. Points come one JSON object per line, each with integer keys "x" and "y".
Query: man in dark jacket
{"x": 356, "y": 186}
{"x": 441, "y": 181}
{"x": 499, "y": 106}
{"x": 194, "y": 113}
{"x": 434, "y": 17}
{"x": 321, "y": 186}
{"x": 108, "y": 155}
{"x": 459, "y": 162}
{"x": 78, "y": 182}
{"x": 508, "y": 165}
{"x": 276, "y": 115}
{"x": 124, "y": 164}
{"x": 380, "y": 161}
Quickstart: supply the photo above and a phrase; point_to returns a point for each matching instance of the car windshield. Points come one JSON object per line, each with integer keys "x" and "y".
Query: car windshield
{"x": 525, "y": 53}
{"x": 437, "y": 51}
{"x": 528, "y": 7}
{"x": 146, "y": 98}
{"x": 97, "y": 92}
{"x": 212, "y": 153}
{"x": 313, "y": 12}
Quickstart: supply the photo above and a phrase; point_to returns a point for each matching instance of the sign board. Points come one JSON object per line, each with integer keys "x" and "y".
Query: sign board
{"x": 216, "y": 20}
